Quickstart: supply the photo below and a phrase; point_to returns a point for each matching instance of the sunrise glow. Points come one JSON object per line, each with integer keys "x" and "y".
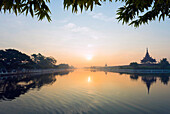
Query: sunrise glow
{"x": 89, "y": 57}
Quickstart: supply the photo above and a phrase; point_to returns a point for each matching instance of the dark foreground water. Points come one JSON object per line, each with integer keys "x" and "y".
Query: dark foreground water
{"x": 85, "y": 92}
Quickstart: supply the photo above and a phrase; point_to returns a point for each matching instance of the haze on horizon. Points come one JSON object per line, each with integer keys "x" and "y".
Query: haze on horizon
{"x": 90, "y": 38}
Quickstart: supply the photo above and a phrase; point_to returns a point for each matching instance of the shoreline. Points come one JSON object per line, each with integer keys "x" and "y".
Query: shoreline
{"x": 36, "y": 72}
{"x": 134, "y": 71}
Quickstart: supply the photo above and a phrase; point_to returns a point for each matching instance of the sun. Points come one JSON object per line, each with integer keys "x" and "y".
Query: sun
{"x": 89, "y": 57}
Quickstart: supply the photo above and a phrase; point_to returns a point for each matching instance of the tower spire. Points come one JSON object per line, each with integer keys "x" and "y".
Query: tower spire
{"x": 148, "y": 58}
{"x": 147, "y": 51}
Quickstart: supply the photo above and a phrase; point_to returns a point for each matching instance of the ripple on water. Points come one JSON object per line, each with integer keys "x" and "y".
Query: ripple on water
{"x": 61, "y": 97}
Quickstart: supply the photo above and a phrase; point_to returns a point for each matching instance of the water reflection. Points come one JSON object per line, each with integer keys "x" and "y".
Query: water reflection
{"x": 149, "y": 79}
{"x": 89, "y": 79}
{"x": 84, "y": 92}
{"x": 13, "y": 86}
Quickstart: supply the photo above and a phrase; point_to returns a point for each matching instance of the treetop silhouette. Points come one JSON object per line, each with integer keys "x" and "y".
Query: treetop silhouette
{"x": 134, "y": 12}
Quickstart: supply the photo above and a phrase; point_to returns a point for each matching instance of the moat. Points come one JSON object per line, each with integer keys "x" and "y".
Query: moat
{"x": 84, "y": 91}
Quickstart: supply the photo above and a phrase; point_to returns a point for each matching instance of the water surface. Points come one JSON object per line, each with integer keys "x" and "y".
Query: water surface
{"x": 84, "y": 91}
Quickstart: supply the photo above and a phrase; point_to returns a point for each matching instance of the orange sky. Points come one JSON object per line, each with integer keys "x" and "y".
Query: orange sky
{"x": 122, "y": 57}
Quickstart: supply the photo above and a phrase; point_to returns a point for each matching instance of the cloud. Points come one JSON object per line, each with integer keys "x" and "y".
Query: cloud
{"x": 90, "y": 45}
{"x": 74, "y": 30}
{"x": 102, "y": 17}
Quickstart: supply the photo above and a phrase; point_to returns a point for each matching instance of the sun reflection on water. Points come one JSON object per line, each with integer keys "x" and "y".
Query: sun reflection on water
{"x": 89, "y": 79}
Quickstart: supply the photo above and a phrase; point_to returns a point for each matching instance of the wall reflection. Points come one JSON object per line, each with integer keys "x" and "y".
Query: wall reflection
{"x": 13, "y": 86}
{"x": 149, "y": 79}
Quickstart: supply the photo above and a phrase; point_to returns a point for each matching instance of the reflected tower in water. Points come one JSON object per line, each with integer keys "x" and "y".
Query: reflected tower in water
{"x": 149, "y": 81}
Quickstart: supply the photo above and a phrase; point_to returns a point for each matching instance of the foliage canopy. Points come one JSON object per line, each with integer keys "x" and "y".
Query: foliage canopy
{"x": 164, "y": 63}
{"x": 14, "y": 59}
{"x": 43, "y": 62}
{"x": 134, "y": 12}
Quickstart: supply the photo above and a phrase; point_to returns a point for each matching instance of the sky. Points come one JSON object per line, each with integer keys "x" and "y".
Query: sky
{"x": 85, "y": 39}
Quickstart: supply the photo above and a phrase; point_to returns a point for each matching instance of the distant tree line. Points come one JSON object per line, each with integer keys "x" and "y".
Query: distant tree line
{"x": 11, "y": 59}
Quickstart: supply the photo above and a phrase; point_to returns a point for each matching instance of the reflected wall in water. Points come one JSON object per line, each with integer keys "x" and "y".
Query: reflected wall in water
{"x": 149, "y": 79}
{"x": 13, "y": 86}
{"x": 86, "y": 92}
